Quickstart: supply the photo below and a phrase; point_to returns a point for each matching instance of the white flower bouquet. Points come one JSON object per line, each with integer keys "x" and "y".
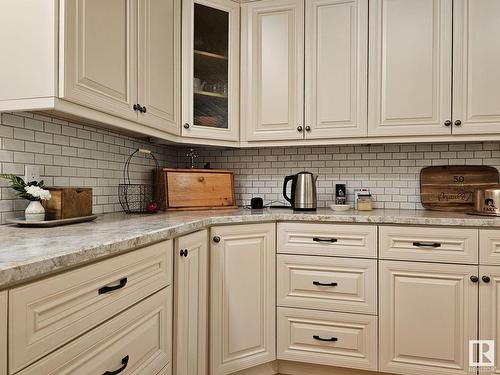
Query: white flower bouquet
{"x": 32, "y": 191}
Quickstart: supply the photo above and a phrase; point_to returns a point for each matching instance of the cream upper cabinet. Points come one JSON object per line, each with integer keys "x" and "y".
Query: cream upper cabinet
{"x": 242, "y": 300}
{"x": 159, "y": 23}
{"x": 191, "y": 304}
{"x": 489, "y": 308}
{"x": 99, "y": 58}
{"x": 122, "y": 57}
{"x": 272, "y": 70}
{"x": 410, "y": 67}
{"x": 476, "y": 58}
{"x": 428, "y": 314}
{"x": 3, "y": 333}
{"x": 210, "y": 69}
{"x": 336, "y": 52}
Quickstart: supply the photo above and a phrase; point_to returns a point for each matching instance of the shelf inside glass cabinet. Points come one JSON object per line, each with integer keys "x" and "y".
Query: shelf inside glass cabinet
{"x": 210, "y": 67}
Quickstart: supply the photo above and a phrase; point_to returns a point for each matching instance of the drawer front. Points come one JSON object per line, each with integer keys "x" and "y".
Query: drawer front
{"x": 167, "y": 370}
{"x": 326, "y": 283}
{"x": 301, "y": 334}
{"x": 328, "y": 239}
{"x": 138, "y": 340}
{"x": 424, "y": 244}
{"x": 46, "y": 314}
{"x": 489, "y": 245}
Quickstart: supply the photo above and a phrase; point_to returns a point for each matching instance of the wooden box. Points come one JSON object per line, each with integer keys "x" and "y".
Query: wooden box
{"x": 196, "y": 189}
{"x": 68, "y": 202}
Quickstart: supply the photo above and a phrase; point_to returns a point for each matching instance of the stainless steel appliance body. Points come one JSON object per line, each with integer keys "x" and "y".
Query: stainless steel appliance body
{"x": 487, "y": 201}
{"x": 303, "y": 193}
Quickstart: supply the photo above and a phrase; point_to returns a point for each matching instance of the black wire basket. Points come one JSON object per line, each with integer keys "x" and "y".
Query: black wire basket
{"x": 141, "y": 198}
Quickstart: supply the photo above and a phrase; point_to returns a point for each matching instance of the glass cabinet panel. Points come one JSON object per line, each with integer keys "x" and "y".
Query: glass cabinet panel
{"x": 210, "y": 67}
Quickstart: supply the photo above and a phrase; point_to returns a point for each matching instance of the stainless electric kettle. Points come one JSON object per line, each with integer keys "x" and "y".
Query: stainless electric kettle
{"x": 303, "y": 193}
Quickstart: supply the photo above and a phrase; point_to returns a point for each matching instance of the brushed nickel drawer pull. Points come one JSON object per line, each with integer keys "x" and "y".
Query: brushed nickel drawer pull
{"x": 320, "y": 239}
{"x": 331, "y": 339}
{"x": 317, "y": 283}
{"x": 427, "y": 244}
{"x": 107, "y": 289}
{"x": 124, "y": 366}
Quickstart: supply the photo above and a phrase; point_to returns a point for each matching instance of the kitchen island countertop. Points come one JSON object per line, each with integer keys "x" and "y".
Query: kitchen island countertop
{"x": 28, "y": 253}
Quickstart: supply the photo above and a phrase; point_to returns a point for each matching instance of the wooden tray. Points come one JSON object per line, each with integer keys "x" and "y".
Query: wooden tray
{"x": 51, "y": 223}
{"x": 451, "y": 187}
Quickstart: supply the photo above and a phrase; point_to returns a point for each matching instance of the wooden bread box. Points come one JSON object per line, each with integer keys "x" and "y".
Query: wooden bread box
{"x": 68, "y": 202}
{"x": 197, "y": 189}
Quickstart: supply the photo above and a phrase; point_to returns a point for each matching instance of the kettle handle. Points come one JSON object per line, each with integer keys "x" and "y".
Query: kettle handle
{"x": 285, "y": 183}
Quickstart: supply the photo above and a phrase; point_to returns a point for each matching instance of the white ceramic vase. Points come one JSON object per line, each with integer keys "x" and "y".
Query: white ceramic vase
{"x": 34, "y": 212}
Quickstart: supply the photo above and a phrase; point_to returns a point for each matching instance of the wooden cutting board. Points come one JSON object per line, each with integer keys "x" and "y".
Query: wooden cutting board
{"x": 451, "y": 187}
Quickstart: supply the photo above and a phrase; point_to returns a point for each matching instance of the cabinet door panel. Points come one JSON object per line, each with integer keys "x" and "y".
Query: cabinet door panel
{"x": 191, "y": 304}
{"x": 159, "y": 63}
{"x": 100, "y": 55}
{"x": 489, "y": 309}
{"x": 428, "y": 314}
{"x": 242, "y": 297}
{"x": 336, "y": 68}
{"x": 410, "y": 67}
{"x": 3, "y": 333}
{"x": 272, "y": 69}
{"x": 210, "y": 69}
{"x": 476, "y": 80}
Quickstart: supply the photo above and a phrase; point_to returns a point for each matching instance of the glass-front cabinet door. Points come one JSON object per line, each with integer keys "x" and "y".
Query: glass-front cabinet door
{"x": 210, "y": 69}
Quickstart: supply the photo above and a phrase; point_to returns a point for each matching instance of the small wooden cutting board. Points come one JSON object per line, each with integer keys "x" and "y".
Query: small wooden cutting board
{"x": 451, "y": 187}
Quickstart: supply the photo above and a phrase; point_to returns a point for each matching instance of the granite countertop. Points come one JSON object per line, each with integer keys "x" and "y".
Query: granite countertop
{"x": 28, "y": 253}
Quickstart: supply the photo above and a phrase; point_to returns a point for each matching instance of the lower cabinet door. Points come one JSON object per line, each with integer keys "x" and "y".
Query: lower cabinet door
{"x": 242, "y": 300}
{"x": 489, "y": 314}
{"x": 428, "y": 314}
{"x": 3, "y": 333}
{"x": 138, "y": 341}
{"x": 326, "y": 338}
{"x": 191, "y": 304}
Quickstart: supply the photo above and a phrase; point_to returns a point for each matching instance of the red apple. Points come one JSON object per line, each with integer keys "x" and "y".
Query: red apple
{"x": 152, "y": 208}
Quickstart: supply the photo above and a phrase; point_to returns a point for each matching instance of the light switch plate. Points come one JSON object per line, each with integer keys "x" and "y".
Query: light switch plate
{"x": 31, "y": 173}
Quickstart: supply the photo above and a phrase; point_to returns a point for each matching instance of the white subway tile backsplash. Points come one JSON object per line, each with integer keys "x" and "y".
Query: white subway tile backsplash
{"x": 70, "y": 154}
{"x": 391, "y": 171}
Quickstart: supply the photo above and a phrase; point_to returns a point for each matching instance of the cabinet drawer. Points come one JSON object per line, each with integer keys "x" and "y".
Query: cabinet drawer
{"x": 46, "y": 314}
{"x": 139, "y": 338}
{"x": 300, "y": 334}
{"x": 326, "y": 283}
{"x": 489, "y": 245}
{"x": 449, "y": 245}
{"x": 328, "y": 239}
{"x": 167, "y": 370}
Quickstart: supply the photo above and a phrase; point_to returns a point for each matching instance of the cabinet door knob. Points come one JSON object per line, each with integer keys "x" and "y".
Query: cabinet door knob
{"x": 486, "y": 279}
{"x": 184, "y": 253}
{"x": 216, "y": 239}
{"x": 137, "y": 107}
{"x": 299, "y": 128}
{"x": 186, "y": 126}
{"x": 308, "y": 128}
{"x": 143, "y": 109}
{"x": 474, "y": 278}
{"x": 447, "y": 123}
{"x": 458, "y": 123}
